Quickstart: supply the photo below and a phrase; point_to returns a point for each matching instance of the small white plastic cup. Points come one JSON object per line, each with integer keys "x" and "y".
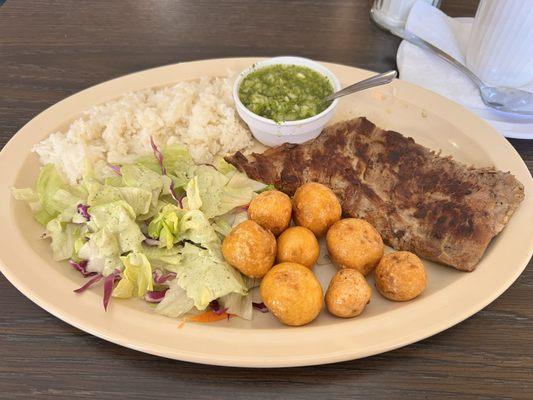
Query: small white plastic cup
{"x": 272, "y": 133}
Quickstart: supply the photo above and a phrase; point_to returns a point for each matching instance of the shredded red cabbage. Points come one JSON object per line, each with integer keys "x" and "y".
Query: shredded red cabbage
{"x": 161, "y": 278}
{"x": 260, "y": 307}
{"x": 151, "y": 242}
{"x": 178, "y": 199}
{"x": 115, "y": 168}
{"x": 215, "y": 306}
{"x": 108, "y": 288}
{"x": 241, "y": 208}
{"x": 81, "y": 267}
{"x": 109, "y": 282}
{"x": 89, "y": 283}
{"x": 83, "y": 210}
{"x": 155, "y": 296}
{"x": 158, "y": 155}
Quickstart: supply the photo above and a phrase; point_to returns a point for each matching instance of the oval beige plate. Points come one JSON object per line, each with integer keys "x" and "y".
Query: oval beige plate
{"x": 450, "y": 297}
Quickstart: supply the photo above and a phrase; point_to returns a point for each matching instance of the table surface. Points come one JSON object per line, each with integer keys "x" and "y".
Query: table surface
{"x": 52, "y": 49}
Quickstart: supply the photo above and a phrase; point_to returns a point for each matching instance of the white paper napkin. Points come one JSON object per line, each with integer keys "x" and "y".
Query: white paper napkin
{"x": 421, "y": 67}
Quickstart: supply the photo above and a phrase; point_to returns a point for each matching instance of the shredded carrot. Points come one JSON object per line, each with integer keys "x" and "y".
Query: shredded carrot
{"x": 208, "y": 316}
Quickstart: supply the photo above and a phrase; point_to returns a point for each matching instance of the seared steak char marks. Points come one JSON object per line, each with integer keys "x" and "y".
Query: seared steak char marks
{"x": 419, "y": 201}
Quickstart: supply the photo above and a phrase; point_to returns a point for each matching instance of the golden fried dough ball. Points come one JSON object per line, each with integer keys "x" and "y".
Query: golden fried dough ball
{"x": 348, "y": 293}
{"x": 400, "y": 276}
{"x": 298, "y": 244}
{"x": 354, "y": 243}
{"x": 316, "y": 207}
{"x": 272, "y": 210}
{"x": 292, "y": 293}
{"x": 250, "y": 248}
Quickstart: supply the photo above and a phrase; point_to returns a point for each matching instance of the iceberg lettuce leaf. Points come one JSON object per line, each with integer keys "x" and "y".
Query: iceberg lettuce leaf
{"x": 115, "y": 181}
{"x": 48, "y": 182}
{"x": 237, "y": 304}
{"x": 144, "y": 178}
{"x": 223, "y": 224}
{"x": 64, "y": 236}
{"x": 225, "y": 167}
{"x": 66, "y": 204}
{"x": 164, "y": 258}
{"x": 241, "y": 181}
{"x": 101, "y": 194}
{"x": 124, "y": 289}
{"x": 205, "y": 276}
{"x": 216, "y": 194}
{"x": 136, "y": 276}
{"x": 176, "y": 160}
{"x": 193, "y": 199}
{"x": 102, "y": 252}
{"x": 32, "y": 198}
{"x": 165, "y": 226}
{"x": 117, "y": 217}
{"x": 139, "y": 199}
{"x": 176, "y": 302}
{"x": 209, "y": 187}
{"x": 52, "y": 196}
{"x": 195, "y": 227}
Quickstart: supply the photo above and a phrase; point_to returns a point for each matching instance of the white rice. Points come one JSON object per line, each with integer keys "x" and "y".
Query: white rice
{"x": 198, "y": 114}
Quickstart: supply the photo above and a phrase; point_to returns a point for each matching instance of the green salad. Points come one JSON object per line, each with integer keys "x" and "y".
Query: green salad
{"x": 152, "y": 231}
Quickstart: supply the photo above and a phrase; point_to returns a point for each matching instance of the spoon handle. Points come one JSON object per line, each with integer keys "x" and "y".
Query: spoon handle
{"x": 418, "y": 41}
{"x": 376, "y": 80}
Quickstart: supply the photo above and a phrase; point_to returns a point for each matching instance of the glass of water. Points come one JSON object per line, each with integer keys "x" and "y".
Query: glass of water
{"x": 393, "y": 13}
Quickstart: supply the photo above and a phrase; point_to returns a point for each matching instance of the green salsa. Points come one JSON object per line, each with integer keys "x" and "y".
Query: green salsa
{"x": 284, "y": 92}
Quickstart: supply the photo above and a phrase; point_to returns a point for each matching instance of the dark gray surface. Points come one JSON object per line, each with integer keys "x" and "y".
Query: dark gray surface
{"x": 51, "y": 49}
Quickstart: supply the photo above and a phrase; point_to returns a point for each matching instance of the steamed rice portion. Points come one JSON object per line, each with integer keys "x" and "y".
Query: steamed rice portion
{"x": 198, "y": 114}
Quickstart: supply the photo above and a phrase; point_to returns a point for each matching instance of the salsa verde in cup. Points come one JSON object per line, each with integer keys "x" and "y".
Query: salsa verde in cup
{"x": 285, "y": 92}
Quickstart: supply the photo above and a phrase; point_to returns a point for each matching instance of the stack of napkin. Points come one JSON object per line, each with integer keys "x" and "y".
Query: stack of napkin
{"x": 422, "y": 68}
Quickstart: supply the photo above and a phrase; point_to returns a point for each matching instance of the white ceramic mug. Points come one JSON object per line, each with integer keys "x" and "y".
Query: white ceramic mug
{"x": 500, "y": 49}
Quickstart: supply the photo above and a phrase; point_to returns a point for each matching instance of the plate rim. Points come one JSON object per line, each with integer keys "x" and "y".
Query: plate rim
{"x": 239, "y": 360}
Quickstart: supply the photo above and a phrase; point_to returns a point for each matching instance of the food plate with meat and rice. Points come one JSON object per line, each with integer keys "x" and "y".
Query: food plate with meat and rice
{"x": 148, "y": 186}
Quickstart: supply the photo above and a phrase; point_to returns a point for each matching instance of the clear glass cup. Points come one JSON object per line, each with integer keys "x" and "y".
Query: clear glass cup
{"x": 500, "y": 48}
{"x": 393, "y": 13}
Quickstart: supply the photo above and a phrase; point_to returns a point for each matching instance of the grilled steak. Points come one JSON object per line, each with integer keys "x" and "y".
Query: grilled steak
{"x": 434, "y": 206}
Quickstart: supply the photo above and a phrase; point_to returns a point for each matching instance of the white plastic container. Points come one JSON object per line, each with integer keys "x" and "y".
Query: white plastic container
{"x": 272, "y": 133}
{"x": 500, "y": 49}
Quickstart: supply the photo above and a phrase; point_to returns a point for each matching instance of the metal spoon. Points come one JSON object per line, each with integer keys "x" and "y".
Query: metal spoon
{"x": 501, "y": 98}
{"x": 376, "y": 80}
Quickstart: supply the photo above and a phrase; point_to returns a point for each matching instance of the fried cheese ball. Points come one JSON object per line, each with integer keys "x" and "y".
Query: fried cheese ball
{"x": 316, "y": 207}
{"x": 250, "y": 248}
{"x": 292, "y": 293}
{"x": 400, "y": 276}
{"x": 298, "y": 244}
{"x": 348, "y": 293}
{"x": 272, "y": 210}
{"x": 354, "y": 243}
